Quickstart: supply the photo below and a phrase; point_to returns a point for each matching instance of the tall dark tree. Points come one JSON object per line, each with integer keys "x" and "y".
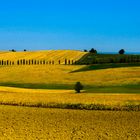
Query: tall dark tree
{"x": 69, "y": 62}
{"x": 23, "y": 61}
{"x": 65, "y": 61}
{"x": 72, "y": 62}
{"x": 122, "y": 51}
{"x": 17, "y": 62}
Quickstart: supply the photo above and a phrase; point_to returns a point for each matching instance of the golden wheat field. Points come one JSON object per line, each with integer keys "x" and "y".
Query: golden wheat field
{"x": 60, "y": 74}
{"x": 54, "y": 55}
{"x": 56, "y": 124}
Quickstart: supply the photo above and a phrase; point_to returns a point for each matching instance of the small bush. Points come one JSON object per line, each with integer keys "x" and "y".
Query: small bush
{"x": 78, "y": 86}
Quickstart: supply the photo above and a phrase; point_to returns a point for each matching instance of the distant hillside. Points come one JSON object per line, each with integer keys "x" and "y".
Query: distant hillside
{"x": 49, "y": 55}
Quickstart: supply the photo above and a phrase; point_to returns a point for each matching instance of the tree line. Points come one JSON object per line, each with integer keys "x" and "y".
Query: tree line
{"x": 94, "y": 51}
{"x": 36, "y": 62}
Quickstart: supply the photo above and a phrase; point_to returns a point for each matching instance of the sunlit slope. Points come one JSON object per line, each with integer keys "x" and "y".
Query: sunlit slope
{"x": 54, "y": 55}
{"x": 60, "y": 74}
{"x": 45, "y": 97}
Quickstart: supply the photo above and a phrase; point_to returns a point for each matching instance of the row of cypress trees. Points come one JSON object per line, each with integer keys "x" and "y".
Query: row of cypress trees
{"x": 7, "y": 62}
{"x": 34, "y": 62}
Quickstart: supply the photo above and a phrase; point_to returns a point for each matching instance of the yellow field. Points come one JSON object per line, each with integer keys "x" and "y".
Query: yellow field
{"x": 54, "y": 55}
{"x": 47, "y": 97}
{"x": 21, "y": 123}
{"x": 60, "y": 74}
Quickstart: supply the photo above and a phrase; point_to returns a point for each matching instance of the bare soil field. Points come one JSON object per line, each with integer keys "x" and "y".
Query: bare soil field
{"x": 19, "y": 123}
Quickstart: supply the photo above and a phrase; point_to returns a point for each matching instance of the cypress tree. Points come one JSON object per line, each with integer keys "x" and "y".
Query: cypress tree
{"x": 7, "y": 62}
{"x": 2, "y": 62}
{"x": 21, "y": 62}
{"x": 69, "y": 62}
{"x": 32, "y": 61}
{"x": 65, "y": 61}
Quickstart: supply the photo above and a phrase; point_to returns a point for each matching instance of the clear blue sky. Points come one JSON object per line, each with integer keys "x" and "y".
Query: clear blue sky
{"x": 106, "y": 25}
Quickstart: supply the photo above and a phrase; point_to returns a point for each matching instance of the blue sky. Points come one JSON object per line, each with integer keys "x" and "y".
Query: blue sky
{"x": 106, "y": 25}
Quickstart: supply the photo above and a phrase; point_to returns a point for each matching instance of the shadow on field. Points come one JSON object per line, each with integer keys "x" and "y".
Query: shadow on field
{"x": 38, "y": 86}
{"x": 106, "y": 66}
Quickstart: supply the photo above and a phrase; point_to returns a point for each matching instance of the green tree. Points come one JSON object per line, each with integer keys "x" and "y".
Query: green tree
{"x": 78, "y": 86}
{"x": 13, "y": 50}
{"x": 93, "y": 51}
{"x": 122, "y": 51}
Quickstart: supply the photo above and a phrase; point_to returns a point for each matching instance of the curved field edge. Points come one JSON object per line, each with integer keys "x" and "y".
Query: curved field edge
{"x": 68, "y": 99}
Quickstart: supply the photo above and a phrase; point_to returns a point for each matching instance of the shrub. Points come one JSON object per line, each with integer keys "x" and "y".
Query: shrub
{"x": 78, "y": 86}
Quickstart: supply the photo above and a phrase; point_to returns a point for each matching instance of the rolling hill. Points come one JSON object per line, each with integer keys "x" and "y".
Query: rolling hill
{"x": 49, "y": 55}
